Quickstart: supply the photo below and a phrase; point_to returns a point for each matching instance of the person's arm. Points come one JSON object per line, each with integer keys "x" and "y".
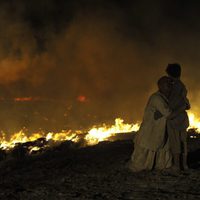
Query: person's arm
{"x": 177, "y": 112}
{"x": 161, "y": 108}
{"x": 157, "y": 115}
{"x": 187, "y": 104}
{"x": 178, "y": 100}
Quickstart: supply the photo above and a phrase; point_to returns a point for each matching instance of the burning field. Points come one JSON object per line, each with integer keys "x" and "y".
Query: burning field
{"x": 89, "y": 164}
{"x": 41, "y": 140}
{"x": 66, "y": 74}
{"x": 85, "y": 163}
{"x": 38, "y": 141}
{"x": 72, "y": 170}
{"x": 74, "y": 80}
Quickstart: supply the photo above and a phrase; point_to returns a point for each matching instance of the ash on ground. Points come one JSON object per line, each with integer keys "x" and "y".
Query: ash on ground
{"x": 68, "y": 172}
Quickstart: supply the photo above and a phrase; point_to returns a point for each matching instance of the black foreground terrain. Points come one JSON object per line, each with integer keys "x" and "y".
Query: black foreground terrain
{"x": 67, "y": 172}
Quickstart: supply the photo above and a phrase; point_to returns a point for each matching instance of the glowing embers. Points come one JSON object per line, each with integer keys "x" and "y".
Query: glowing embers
{"x": 82, "y": 99}
{"x": 24, "y": 99}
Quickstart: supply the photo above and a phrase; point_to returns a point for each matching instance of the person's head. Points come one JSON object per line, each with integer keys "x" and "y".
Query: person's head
{"x": 164, "y": 85}
{"x": 174, "y": 70}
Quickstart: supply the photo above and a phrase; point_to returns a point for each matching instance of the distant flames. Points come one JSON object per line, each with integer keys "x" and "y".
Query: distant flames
{"x": 23, "y": 99}
{"x": 98, "y": 134}
{"x": 91, "y": 137}
{"x": 82, "y": 98}
{"x": 194, "y": 122}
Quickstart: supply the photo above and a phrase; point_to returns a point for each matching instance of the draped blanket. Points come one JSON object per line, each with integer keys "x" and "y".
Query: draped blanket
{"x": 151, "y": 149}
{"x": 152, "y": 133}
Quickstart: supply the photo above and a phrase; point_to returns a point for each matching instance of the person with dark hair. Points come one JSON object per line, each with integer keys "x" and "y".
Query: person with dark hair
{"x": 174, "y": 70}
{"x": 151, "y": 145}
{"x": 178, "y": 121}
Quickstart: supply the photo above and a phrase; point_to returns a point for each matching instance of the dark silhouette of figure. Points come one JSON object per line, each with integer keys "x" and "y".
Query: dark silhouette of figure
{"x": 151, "y": 146}
{"x": 178, "y": 121}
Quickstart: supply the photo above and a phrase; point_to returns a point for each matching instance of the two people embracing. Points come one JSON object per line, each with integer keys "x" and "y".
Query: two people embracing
{"x": 161, "y": 142}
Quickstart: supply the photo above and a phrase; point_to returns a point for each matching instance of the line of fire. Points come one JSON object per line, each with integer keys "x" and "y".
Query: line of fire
{"x": 36, "y": 141}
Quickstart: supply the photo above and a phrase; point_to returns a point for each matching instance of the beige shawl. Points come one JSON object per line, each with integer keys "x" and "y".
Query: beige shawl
{"x": 152, "y": 133}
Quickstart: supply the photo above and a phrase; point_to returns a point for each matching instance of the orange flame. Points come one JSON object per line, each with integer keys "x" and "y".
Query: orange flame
{"x": 194, "y": 121}
{"x": 92, "y": 136}
{"x": 98, "y": 134}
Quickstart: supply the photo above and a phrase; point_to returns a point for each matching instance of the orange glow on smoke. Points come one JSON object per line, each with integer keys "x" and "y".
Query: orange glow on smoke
{"x": 23, "y": 99}
{"x": 82, "y": 98}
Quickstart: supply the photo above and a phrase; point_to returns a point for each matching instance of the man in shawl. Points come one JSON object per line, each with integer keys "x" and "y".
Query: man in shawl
{"x": 178, "y": 121}
{"x": 151, "y": 149}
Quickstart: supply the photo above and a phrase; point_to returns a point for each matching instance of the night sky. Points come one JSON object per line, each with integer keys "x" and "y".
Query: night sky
{"x": 105, "y": 55}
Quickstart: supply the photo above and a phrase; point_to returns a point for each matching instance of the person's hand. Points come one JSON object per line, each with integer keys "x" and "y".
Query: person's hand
{"x": 169, "y": 117}
{"x": 157, "y": 115}
{"x": 187, "y": 107}
{"x": 173, "y": 115}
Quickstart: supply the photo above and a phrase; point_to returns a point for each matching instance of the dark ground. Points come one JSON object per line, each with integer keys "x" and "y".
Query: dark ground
{"x": 97, "y": 172}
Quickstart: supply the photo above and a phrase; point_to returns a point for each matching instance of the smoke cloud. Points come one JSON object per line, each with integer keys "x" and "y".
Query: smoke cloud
{"x": 112, "y": 53}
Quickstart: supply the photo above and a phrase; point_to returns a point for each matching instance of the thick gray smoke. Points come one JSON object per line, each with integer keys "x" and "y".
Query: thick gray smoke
{"x": 91, "y": 61}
